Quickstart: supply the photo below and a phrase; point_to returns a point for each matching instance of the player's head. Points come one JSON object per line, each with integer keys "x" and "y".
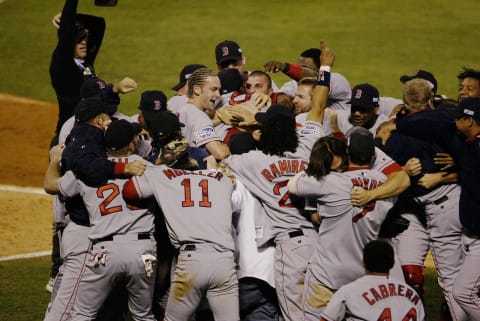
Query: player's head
{"x": 96, "y": 87}
{"x": 378, "y": 256}
{"x": 310, "y": 59}
{"x": 467, "y": 116}
{"x": 469, "y": 83}
{"x": 278, "y": 133}
{"x": 80, "y": 47}
{"x": 422, "y": 74}
{"x": 164, "y": 127}
{"x": 303, "y": 97}
{"x": 364, "y": 105}
{"x": 93, "y": 111}
{"x": 259, "y": 82}
{"x": 204, "y": 88}
{"x": 228, "y": 54}
{"x": 184, "y": 75}
{"x": 328, "y": 154}
{"x": 417, "y": 95}
{"x": 241, "y": 142}
{"x": 361, "y": 146}
{"x": 151, "y": 103}
{"x": 121, "y": 137}
{"x": 230, "y": 80}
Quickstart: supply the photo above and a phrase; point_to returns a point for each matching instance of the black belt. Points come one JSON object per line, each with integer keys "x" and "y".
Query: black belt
{"x": 439, "y": 201}
{"x": 295, "y": 233}
{"x": 190, "y": 247}
{"x": 140, "y": 236}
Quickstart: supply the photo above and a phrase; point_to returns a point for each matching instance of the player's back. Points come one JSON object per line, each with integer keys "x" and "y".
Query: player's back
{"x": 108, "y": 212}
{"x": 375, "y": 297}
{"x": 196, "y": 204}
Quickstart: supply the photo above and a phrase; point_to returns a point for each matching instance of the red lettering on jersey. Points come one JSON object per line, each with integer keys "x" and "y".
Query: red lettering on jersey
{"x": 375, "y": 294}
{"x": 178, "y": 172}
{"x": 415, "y": 299}
{"x": 409, "y": 294}
{"x": 365, "y": 296}
{"x": 275, "y": 170}
{"x": 303, "y": 165}
{"x": 400, "y": 290}
{"x": 392, "y": 289}
{"x": 267, "y": 175}
{"x": 294, "y": 166}
{"x": 411, "y": 315}
{"x": 284, "y": 166}
{"x": 356, "y": 182}
{"x": 169, "y": 173}
{"x": 383, "y": 290}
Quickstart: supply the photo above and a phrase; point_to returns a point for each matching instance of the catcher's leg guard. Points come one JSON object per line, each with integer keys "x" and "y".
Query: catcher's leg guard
{"x": 415, "y": 276}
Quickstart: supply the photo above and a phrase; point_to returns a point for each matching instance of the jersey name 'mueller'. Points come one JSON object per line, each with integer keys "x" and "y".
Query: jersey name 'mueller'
{"x": 282, "y": 167}
{"x": 384, "y": 291}
{"x": 172, "y": 173}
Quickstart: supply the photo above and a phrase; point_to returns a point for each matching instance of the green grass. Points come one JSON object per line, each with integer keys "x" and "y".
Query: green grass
{"x": 23, "y": 296}
{"x": 150, "y": 40}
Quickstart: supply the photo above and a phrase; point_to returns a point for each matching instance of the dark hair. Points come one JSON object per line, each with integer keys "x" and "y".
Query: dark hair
{"x": 378, "y": 256}
{"x": 469, "y": 73}
{"x": 227, "y": 63}
{"x": 313, "y": 53}
{"x": 258, "y": 73}
{"x": 321, "y": 157}
{"x": 279, "y": 135}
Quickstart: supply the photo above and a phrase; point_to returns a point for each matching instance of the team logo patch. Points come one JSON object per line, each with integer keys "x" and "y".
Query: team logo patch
{"x": 157, "y": 105}
{"x": 101, "y": 84}
{"x": 468, "y": 112}
{"x": 205, "y": 133}
{"x": 311, "y": 130}
{"x": 358, "y": 94}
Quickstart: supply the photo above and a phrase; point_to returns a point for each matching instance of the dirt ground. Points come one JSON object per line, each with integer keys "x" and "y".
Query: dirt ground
{"x": 26, "y": 127}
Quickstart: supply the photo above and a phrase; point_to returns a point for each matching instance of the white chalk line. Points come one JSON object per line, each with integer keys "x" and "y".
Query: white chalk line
{"x": 28, "y": 190}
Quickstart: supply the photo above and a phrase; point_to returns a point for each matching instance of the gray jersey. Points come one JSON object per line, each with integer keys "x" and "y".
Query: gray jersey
{"x": 375, "y": 297}
{"x": 108, "y": 212}
{"x": 198, "y": 128}
{"x": 196, "y": 204}
{"x": 177, "y": 101}
{"x": 266, "y": 177}
{"x": 345, "y": 229}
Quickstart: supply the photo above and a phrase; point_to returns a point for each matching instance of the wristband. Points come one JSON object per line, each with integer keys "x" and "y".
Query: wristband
{"x": 326, "y": 68}
{"x": 323, "y": 78}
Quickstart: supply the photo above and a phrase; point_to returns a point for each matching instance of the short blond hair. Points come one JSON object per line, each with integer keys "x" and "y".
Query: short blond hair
{"x": 199, "y": 78}
{"x": 417, "y": 94}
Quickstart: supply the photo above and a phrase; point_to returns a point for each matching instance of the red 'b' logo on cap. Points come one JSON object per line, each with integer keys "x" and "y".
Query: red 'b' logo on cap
{"x": 358, "y": 94}
{"x": 225, "y": 51}
{"x": 157, "y": 104}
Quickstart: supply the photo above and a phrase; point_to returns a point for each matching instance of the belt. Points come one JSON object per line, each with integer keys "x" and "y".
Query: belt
{"x": 189, "y": 247}
{"x": 110, "y": 238}
{"x": 296, "y": 233}
{"x": 439, "y": 201}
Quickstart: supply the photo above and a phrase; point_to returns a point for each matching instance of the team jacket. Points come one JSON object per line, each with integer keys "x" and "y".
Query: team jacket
{"x": 437, "y": 127}
{"x": 65, "y": 75}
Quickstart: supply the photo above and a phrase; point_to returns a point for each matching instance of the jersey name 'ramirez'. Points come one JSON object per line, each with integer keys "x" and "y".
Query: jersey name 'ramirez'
{"x": 284, "y": 166}
{"x": 384, "y": 291}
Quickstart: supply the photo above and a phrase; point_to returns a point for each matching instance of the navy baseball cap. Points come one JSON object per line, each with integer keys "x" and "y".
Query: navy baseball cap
{"x": 422, "y": 74}
{"x": 231, "y": 80}
{"x": 226, "y": 51}
{"x": 164, "y": 122}
{"x": 91, "y": 107}
{"x": 468, "y": 107}
{"x": 185, "y": 74}
{"x": 361, "y": 145}
{"x": 153, "y": 100}
{"x": 365, "y": 95}
{"x": 120, "y": 133}
{"x": 92, "y": 86}
{"x": 273, "y": 111}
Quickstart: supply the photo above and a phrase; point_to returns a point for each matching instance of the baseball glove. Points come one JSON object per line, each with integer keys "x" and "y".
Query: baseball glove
{"x": 172, "y": 152}
{"x": 241, "y": 115}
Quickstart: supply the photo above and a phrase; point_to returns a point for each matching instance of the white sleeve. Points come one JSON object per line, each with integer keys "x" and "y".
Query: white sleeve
{"x": 336, "y": 308}
{"x": 68, "y": 185}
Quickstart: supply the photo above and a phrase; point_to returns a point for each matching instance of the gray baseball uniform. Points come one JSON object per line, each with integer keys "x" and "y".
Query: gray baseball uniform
{"x": 198, "y": 128}
{"x": 122, "y": 246}
{"x": 198, "y": 213}
{"x": 375, "y": 297}
{"x": 266, "y": 177}
{"x": 343, "y": 233}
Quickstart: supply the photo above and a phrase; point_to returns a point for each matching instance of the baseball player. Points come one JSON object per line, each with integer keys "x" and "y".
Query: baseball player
{"x": 203, "y": 93}
{"x": 437, "y": 127}
{"x": 122, "y": 242}
{"x": 180, "y": 98}
{"x": 198, "y": 213}
{"x": 68, "y": 68}
{"x": 336, "y": 261}
{"x": 375, "y": 296}
{"x": 265, "y": 172}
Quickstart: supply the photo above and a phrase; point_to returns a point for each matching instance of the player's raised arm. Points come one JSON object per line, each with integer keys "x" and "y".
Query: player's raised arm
{"x": 320, "y": 92}
{"x": 52, "y": 174}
